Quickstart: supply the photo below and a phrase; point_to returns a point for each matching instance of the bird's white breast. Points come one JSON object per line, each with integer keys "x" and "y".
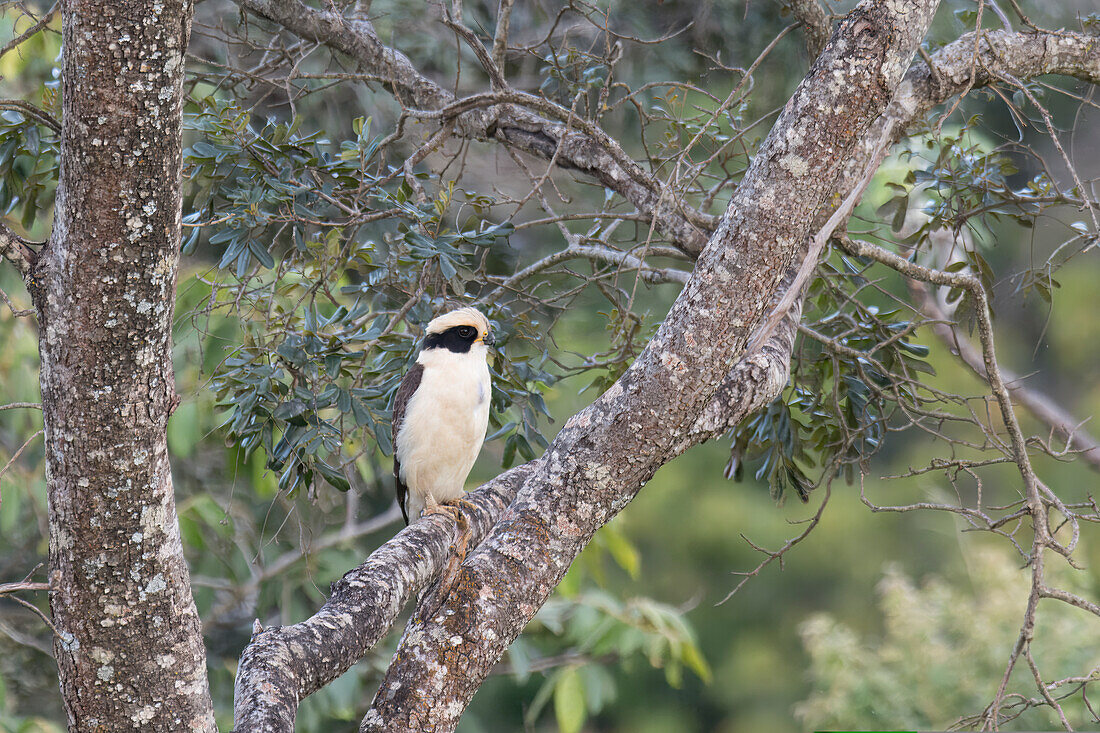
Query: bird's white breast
{"x": 444, "y": 425}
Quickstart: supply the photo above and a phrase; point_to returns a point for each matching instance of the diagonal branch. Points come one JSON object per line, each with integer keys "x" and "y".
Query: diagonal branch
{"x": 283, "y": 664}
{"x": 607, "y": 452}
{"x": 510, "y": 124}
{"x": 1039, "y": 405}
{"x": 1037, "y": 495}
{"x": 17, "y": 250}
{"x": 27, "y": 109}
{"x": 38, "y": 25}
{"x": 540, "y": 532}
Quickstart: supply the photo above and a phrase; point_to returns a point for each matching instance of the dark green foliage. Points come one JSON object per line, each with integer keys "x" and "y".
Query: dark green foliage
{"x": 327, "y": 255}
{"x": 316, "y": 258}
{"x": 28, "y": 168}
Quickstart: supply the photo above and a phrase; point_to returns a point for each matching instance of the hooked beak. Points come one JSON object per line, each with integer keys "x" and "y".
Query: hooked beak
{"x": 488, "y": 339}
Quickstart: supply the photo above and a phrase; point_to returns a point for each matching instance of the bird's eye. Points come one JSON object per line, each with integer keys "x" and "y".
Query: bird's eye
{"x": 466, "y": 332}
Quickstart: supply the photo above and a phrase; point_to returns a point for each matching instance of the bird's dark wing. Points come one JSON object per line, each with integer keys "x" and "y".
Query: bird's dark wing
{"x": 400, "y": 402}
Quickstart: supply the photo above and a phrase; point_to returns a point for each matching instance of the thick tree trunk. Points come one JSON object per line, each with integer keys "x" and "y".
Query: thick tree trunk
{"x": 129, "y": 642}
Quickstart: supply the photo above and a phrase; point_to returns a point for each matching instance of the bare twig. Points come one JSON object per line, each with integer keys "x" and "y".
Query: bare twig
{"x": 22, "y": 586}
{"x": 16, "y": 250}
{"x": 26, "y": 108}
{"x": 1038, "y": 404}
{"x": 500, "y": 40}
{"x": 19, "y": 452}
{"x": 22, "y": 405}
{"x": 823, "y": 235}
{"x": 35, "y": 28}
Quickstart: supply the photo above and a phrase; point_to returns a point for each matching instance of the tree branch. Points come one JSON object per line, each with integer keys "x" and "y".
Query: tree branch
{"x": 1039, "y": 405}
{"x": 29, "y": 110}
{"x": 815, "y": 23}
{"x": 500, "y": 39}
{"x": 283, "y": 664}
{"x": 955, "y": 70}
{"x": 607, "y": 452}
{"x": 507, "y": 123}
{"x": 755, "y": 380}
{"x": 1023, "y": 54}
{"x": 763, "y": 371}
{"x": 21, "y": 586}
{"x": 577, "y": 487}
{"x": 38, "y": 25}
{"x": 16, "y": 250}
{"x": 1038, "y": 496}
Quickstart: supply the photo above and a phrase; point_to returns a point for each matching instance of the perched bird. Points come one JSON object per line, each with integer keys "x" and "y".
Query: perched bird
{"x": 440, "y": 414}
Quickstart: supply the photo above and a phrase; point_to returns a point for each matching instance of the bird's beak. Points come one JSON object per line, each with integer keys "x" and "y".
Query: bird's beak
{"x": 488, "y": 339}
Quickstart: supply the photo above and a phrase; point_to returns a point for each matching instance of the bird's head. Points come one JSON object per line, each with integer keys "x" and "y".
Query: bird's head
{"x": 459, "y": 331}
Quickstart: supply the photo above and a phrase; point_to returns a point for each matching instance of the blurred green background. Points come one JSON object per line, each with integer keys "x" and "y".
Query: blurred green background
{"x": 876, "y": 620}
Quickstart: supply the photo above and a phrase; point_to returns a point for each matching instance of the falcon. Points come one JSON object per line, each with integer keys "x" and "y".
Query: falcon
{"x": 440, "y": 414}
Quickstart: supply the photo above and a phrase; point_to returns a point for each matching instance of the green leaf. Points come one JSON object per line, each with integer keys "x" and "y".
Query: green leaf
{"x": 291, "y": 411}
{"x": 261, "y": 254}
{"x": 202, "y": 150}
{"x": 332, "y": 364}
{"x": 223, "y": 236}
{"x": 520, "y": 656}
{"x": 916, "y": 349}
{"x": 921, "y": 366}
{"x": 30, "y": 210}
{"x": 693, "y": 658}
{"x": 447, "y": 267}
{"x": 506, "y": 428}
{"x": 333, "y": 476}
{"x": 625, "y": 554}
{"x": 898, "y": 222}
{"x": 599, "y": 687}
{"x": 569, "y": 706}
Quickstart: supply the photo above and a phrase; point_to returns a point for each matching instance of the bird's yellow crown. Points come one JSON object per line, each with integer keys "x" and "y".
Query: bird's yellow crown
{"x": 461, "y": 317}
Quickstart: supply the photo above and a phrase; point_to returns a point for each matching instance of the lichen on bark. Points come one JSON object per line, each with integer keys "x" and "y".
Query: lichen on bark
{"x": 602, "y": 457}
{"x": 129, "y": 644}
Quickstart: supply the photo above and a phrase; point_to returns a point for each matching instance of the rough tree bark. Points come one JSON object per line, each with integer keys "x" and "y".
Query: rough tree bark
{"x": 129, "y": 642}
{"x": 606, "y": 453}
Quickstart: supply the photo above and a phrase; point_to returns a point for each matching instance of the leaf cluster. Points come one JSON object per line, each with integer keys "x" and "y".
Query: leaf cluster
{"x": 601, "y": 630}
{"x": 28, "y": 168}
{"x": 332, "y": 263}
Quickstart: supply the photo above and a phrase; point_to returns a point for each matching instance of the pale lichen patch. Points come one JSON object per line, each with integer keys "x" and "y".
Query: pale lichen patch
{"x": 156, "y": 584}
{"x": 144, "y": 715}
{"x": 796, "y": 164}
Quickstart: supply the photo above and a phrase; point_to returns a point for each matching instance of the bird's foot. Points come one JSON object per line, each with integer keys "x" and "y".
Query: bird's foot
{"x": 453, "y": 509}
{"x": 446, "y": 508}
{"x": 461, "y": 504}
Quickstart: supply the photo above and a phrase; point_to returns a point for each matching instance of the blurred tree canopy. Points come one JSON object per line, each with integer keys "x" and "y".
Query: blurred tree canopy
{"x": 351, "y": 169}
